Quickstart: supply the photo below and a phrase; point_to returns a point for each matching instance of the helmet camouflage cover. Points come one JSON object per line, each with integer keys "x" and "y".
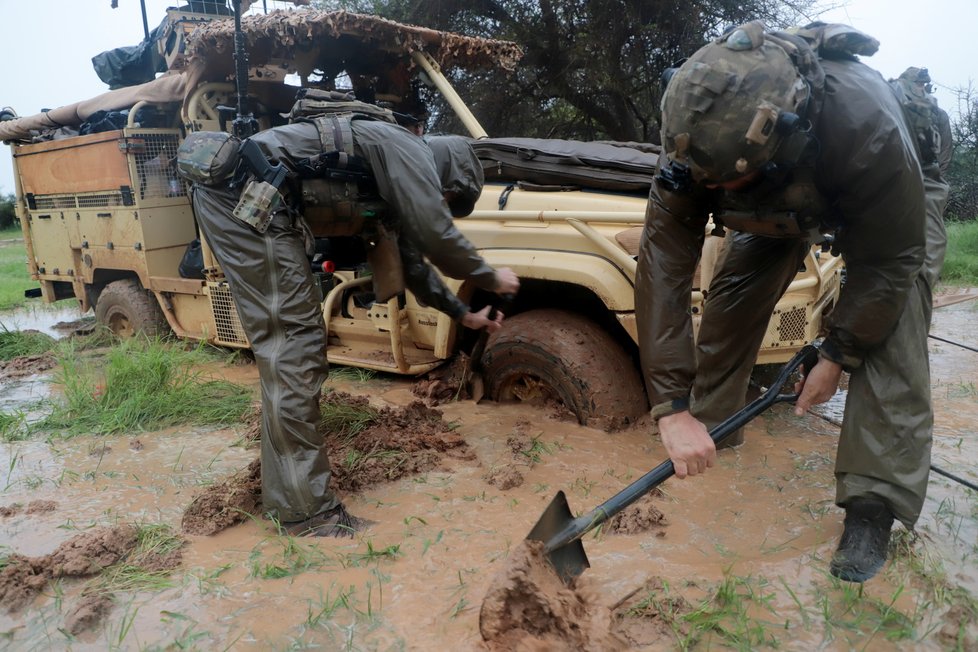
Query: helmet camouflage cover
{"x": 208, "y": 157}
{"x": 725, "y": 110}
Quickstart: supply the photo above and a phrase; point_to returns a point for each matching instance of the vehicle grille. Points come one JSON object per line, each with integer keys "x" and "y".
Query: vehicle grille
{"x": 792, "y": 324}
{"x": 226, "y": 322}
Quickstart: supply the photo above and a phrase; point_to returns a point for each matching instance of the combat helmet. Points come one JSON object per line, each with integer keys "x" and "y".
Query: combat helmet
{"x": 730, "y": 107}
{"x": 208, "y": 157}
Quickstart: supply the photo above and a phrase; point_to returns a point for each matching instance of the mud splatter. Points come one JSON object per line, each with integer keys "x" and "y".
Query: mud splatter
{"x": 391, "y": 443}
{"x": 527, "y": 607}
{"x": 86, "y": 554}
{"x": 88, "y": 613}
{"x": 504, "y": 477}
{"x": 33, "y": 507}
{"x": 225, "y": 504}
{"x": 640, "y": 516}
{"x": 41, "y": 506}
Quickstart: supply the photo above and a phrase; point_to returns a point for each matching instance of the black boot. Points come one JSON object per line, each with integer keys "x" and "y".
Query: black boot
{"x": 862, "y": 549}
{"x": 336, "y": 522}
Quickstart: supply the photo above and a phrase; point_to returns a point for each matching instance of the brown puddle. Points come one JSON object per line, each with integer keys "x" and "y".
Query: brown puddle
{"x": 747, "y": 545}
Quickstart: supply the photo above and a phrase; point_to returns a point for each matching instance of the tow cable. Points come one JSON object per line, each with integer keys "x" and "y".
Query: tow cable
{"x": 933, "y": 467}
{"x": 963, "y": 346}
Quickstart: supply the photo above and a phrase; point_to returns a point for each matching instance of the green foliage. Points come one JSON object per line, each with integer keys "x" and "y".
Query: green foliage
{"x": 14, "y": 278}
{"x": 590, "y": 70}
{"x": 8, "y": 216}
{"x": 14, "y": 344}
{"x": 961, "y": 260}
{"x": 141, "y": 384}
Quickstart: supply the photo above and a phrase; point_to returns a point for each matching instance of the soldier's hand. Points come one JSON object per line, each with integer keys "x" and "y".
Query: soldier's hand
{"x": 477, "y": 320}
{"x": 507, "y": 282}
{"x": 818, "y": 385}
{"x": 688, "y": 443}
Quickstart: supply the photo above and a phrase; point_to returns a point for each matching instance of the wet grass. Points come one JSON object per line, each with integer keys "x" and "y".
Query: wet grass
{"x": 14, "y": 344}
{"x": 140, "y": 384}
{"x": 961, "y": 260}
{"x": 293, "y": 558}
{"x": 14, "y": 278}
{"x": 13, "y": 427}
{"x": 141, "y": 571}
{"x": 345, "y": 419}
{"x": 351, "y": 374}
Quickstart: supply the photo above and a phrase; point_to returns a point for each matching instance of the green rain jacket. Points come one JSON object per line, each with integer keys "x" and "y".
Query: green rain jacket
{"x": 869, "y": 175}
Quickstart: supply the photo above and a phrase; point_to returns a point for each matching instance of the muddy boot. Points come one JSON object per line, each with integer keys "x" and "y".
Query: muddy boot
{"x": 337, "y": 522}
{"x": 862, "y": 549}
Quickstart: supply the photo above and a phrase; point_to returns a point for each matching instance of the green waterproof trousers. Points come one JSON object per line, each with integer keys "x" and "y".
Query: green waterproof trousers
{"x": 272, "y": 284}
{"x": 884, "y": 445}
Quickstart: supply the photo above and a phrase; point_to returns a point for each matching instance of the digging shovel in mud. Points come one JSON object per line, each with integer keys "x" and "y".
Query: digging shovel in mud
{"x": 475, "y": 381}
{"x": 561, "y": 533}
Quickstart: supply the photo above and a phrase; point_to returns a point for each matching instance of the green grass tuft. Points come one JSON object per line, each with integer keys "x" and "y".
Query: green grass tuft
{"x": 344, "y": 418}
{"x": 14, "y": 344}
{"x": 141, "y": 385}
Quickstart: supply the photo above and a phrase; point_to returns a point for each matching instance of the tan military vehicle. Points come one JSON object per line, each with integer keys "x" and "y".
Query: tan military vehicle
{"x": 107, "y": 220}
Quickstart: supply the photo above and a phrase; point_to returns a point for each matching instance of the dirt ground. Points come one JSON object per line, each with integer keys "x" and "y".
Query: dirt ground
{"x": 735, "y": 559}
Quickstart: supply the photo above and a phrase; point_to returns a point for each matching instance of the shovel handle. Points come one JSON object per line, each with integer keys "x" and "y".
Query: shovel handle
{"x": 581, "y": 525}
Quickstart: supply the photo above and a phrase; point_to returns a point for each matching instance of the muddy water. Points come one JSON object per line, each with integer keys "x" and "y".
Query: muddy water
{"x": 416, "y": 577}
{"x": 42, "y": 317}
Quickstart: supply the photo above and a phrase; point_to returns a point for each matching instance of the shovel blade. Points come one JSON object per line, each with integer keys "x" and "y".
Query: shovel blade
{"x": 477, "y": 387}
{"x": 569, "y": 560}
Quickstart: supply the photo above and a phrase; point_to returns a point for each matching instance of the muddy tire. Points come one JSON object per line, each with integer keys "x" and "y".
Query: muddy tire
{"x": 557, "y": 355}
{"x": 125, "y": 308}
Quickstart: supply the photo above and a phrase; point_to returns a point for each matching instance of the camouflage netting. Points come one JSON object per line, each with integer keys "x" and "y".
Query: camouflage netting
{"x": 367, "y": 47}
{"x": 281, "y": 34}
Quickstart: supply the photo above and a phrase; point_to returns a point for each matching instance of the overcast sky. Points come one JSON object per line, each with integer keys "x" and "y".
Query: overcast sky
{"x": 47, "y": 46}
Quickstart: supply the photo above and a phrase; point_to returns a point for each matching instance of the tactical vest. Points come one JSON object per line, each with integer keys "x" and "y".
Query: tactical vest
{"x": 337, "y": 196}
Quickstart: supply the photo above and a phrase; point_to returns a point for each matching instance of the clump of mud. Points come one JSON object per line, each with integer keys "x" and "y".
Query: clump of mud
{"x": 640, "y": 516}
{"x": 446, "y": 383}
{"x": 85, "y": 555}
{"x": 527, "y": 607}
{"x": 33, "y": 507}
{"x": 651, "y": 618}
{"x": 386, "y": 444}
{"x": 504, "y": 477}
{"x": 26, "y": 365}
{"x": 397, "y": 442}
{"x": 225, "y": 504}
{"x": 88, "y": 613}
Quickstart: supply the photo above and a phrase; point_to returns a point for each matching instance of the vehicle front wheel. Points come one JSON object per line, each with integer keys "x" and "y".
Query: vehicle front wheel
{"x": 125, "y": 308}
{"x": 545, "y": 355}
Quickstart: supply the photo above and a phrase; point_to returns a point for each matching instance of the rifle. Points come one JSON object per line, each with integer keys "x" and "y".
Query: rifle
{"x": 244, "y": 123}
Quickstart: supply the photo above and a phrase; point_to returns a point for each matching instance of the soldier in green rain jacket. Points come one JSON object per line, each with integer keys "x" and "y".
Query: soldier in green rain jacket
{"x": 271, "y": 280}
{"x": 783, "y": 138}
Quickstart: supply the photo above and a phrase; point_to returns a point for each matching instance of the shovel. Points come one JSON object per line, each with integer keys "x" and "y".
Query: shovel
{"x": 475, "y": 381}
{"x": 561, "y": 533}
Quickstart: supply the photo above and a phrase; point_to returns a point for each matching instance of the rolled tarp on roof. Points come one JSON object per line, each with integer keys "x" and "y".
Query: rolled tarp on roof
{"x": 168, "y": 88}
